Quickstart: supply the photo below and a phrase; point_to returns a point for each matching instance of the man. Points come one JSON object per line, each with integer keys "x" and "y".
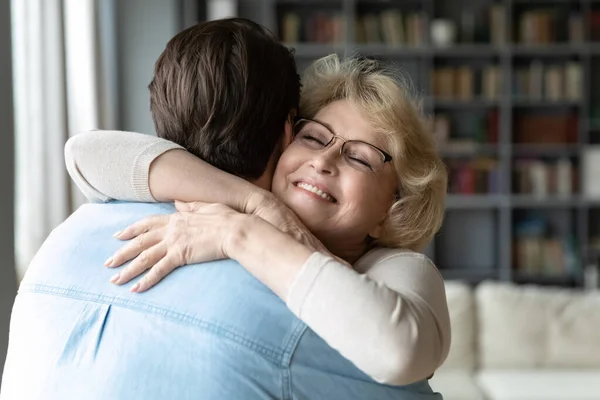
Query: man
{"x": 207, "y": 332}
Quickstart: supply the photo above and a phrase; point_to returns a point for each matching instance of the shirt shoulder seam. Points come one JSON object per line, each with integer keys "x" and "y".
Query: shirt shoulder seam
{"x": 272, "y": 354}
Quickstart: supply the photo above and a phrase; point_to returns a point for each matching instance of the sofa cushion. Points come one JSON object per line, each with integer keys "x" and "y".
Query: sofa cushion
{"x": 456, "y": 385}
{"x": 526, "y": 327}
{"x": 462, "y": 321}
{"x": 540, "y": 385}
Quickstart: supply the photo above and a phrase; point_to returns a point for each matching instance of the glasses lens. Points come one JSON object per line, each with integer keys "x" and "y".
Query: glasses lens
{"x": 312, "y": 135}
{"x": 363, "y": 156}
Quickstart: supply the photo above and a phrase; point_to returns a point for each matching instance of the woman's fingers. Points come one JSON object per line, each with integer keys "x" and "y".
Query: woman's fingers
{"x": 135, "y": 247}
{"x": 145, "y": 225}
{"x": 194, "y": 206}
{"x": 146, "y": 260}
{"x": 163, "y": 268}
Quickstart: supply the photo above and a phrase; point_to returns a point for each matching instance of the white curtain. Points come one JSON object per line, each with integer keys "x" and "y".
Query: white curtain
{"x": 64, "y": 84}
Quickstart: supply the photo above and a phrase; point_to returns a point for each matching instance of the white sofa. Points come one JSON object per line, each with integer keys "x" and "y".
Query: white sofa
{"x": 513, "y": 342}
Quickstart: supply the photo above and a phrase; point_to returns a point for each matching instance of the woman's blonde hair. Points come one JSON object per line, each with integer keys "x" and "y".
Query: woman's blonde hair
{"x": 384, "y": 96}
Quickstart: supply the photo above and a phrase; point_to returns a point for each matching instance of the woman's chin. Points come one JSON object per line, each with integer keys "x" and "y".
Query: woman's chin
{"x": 310, "y": 214}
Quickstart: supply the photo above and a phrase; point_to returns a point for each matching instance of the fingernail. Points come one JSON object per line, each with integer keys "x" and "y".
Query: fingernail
{"x": 117, "y": 234}
{"x": 135, "y": 287}
{"x": 108, "y": 262}
{"x": 115, "y": 278}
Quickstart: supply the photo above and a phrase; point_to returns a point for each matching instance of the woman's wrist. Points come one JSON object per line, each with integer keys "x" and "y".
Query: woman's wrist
{"x": 179, "y": 175}
{"x": 256, "y": 200}
{"x": 238, "y": 232}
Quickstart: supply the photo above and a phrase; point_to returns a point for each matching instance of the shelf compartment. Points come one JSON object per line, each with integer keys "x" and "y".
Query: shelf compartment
{"x": 454, "y": 249}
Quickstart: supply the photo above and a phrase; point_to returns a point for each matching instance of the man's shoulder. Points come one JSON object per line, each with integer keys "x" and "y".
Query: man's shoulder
{"x": 218, "y": 295}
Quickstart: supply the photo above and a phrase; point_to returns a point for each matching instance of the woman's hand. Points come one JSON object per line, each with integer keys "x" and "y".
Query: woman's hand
{"x": 165, "y": 242}
{"x": 268, "y": 207}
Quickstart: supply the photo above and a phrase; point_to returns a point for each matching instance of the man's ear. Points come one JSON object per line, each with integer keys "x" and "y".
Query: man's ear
{"x": 288, "y": 132}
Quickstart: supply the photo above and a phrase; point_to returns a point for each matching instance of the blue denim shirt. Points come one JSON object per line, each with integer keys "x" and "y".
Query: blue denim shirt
{"x": 208, "y": 331}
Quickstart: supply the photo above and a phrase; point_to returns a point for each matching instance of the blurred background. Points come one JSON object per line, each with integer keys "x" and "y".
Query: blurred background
{"x": 512, "y": 88}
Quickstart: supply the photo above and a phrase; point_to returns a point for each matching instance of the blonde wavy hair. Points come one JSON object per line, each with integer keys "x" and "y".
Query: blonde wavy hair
{"x": 385, "y": 98}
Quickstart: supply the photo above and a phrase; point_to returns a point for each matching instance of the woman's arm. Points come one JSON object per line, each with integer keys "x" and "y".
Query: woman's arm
{"x": 391, "y": 322}
{"x": 113, "y": 165}
{"x": 116, "y": 165}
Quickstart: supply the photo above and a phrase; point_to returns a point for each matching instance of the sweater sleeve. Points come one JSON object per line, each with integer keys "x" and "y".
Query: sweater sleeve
{"x": 114, "y": 165}
{"x": 392, "y": 321}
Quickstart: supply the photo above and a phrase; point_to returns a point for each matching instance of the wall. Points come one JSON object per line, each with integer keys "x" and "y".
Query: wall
{"x": 8, "y": 280}
{"x": 143, "y": 29}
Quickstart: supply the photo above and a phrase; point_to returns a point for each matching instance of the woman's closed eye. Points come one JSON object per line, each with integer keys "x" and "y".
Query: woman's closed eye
{"x": 314, "y": 138}
{"x": 358, "y": 160}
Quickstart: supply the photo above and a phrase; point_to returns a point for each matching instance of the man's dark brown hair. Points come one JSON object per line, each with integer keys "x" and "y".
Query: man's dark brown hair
{"x": 223, "y": 90}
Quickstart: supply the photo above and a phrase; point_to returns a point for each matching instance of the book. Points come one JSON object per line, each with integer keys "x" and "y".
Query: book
{"x": 554, "y": 83}
{"x": 591, "y": 171}
{"x": 372, "y": 28}
{"x": 464, "y": 85}
{"x": 498, "y": 24}
{"x": 291, "y": 27}
{"x": 573, "y": 81}
{"x": 536, "y": 81}
{"x": 491, "y": 83}
{"x": 392, "y": 27}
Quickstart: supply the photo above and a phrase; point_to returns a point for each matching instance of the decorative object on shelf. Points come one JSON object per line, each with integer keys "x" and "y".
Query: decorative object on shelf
{"x": 217, "y": 9}
{"x": 443, "y": 32}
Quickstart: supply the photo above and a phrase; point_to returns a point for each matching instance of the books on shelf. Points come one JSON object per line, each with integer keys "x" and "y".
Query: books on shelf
{"x": 544, "y": 179}
{"x": 595, "y": 26}
{"x": 468, "y": 135}
{"x": 536, "y": 128}
{"x": 551, "y": 83}
{"x": 543, "y": 26}
{"x": 475, "y": 25}
{"x": 391, "y": 27}
{"x": 477, "y": 176}
{"x": 465, "y": 83}
{"x": 318, "y": 27}
{"x": 538, "y": 251}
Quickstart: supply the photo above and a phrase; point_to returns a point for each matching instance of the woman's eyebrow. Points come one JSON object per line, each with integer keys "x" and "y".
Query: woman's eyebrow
{"x": 326, "y": 125}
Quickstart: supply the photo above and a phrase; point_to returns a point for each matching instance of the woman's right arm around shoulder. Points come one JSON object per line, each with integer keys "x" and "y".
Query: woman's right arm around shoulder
{"x": 117, "y": 165}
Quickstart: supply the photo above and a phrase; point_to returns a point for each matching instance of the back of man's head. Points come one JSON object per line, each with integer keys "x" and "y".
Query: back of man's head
{"x": 223, "y": 90}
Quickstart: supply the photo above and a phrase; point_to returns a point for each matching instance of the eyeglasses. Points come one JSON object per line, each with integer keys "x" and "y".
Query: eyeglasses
{"x": 360, "y": 155}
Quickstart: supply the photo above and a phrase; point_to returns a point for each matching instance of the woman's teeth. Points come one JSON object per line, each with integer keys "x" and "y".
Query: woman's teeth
{"x": 316, "y": 191}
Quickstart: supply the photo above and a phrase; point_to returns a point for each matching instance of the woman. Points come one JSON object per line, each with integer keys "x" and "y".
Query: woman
{"x": 362, "y": 174}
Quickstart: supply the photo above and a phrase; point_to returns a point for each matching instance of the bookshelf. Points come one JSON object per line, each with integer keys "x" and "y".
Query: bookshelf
{"x": 513, "y": 89}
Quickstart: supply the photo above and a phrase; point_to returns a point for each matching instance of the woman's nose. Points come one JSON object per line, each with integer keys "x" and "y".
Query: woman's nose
{"x": 326, "y": 160}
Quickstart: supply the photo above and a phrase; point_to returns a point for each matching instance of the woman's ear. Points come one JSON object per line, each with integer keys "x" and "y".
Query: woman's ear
{"x": 375, "y": 233}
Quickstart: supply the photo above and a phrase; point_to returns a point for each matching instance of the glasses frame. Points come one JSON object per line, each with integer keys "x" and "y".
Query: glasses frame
{"x": 386, "y": 156}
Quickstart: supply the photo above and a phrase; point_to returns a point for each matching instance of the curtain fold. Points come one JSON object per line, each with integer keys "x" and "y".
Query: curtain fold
{"x": 62, "y": 71}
